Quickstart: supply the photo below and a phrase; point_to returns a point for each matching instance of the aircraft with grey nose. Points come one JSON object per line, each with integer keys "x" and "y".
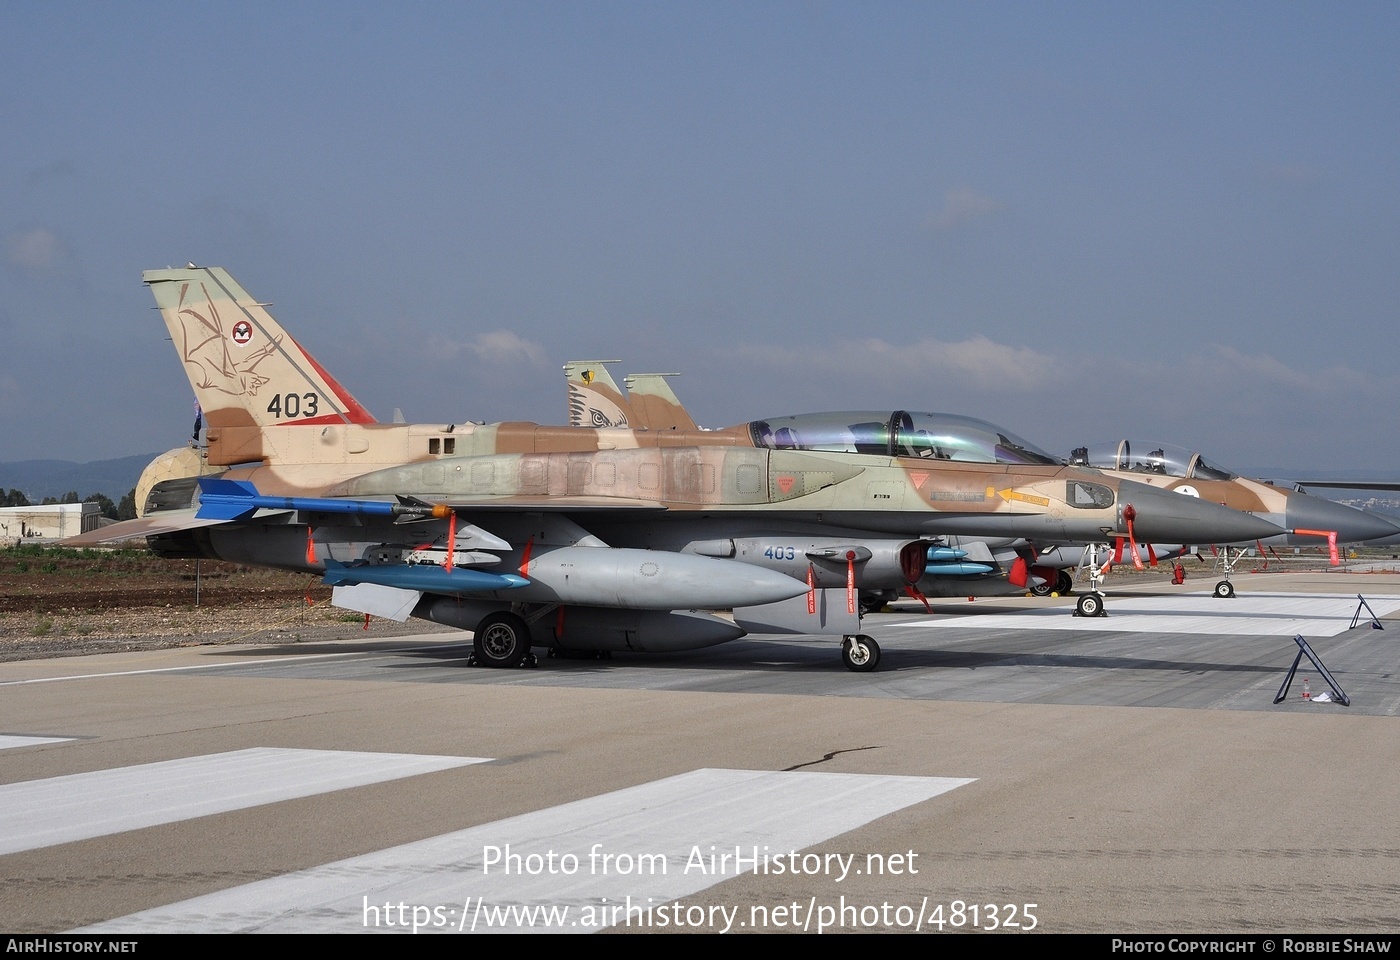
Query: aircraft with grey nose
{"x": 590, "y": 539}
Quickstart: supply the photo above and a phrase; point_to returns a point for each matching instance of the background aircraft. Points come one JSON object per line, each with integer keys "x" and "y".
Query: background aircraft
{"x": 1306, "y": 520}
{"x": 589, "y": 539}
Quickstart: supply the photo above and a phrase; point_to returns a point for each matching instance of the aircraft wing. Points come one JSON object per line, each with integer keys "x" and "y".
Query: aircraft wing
{"x": 1350, "y": 484}
{"x": 167, "y": 521}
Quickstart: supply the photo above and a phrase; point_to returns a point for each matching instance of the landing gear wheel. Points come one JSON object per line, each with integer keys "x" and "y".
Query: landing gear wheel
{"x": 1064, "y": 583}
{"x": 860, "y": 653}
{"x": 502, "y": 640}
{"x": 1089, "y": 605}
{"x": 1043, "y": 589}
{"x": 1224, "y": 589}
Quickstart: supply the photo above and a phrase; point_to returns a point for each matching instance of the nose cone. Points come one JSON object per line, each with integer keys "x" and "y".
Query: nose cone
{"x": 1353, "y": 526}
{"x": 1168, "y": 517}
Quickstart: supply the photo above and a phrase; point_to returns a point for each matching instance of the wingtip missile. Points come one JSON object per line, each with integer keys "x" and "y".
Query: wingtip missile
{"x": 221, "y": 499}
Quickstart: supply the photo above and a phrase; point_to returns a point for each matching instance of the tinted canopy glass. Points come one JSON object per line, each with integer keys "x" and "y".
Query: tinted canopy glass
{"x": 1163, "y": 459}
{"x": 901, "y": 433}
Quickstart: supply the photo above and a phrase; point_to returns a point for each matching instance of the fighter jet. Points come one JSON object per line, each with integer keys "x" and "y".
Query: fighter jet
{"x": 1305, "y": 519}
{"x": 591, "y": 539}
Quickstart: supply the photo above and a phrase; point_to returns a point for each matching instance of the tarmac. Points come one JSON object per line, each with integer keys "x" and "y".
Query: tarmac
{"x": 1009, "y": 767}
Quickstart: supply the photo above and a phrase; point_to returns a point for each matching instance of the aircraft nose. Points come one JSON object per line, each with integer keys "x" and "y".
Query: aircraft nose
{"x": 1168, "y": 517}
{"x": 1353, "y": 526}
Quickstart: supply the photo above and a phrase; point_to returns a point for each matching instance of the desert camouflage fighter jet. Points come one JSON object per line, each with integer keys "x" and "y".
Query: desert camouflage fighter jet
{"x": 579, "y": 539}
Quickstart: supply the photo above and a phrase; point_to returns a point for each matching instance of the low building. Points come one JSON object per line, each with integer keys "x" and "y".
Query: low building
{"x": 51, "y": 521}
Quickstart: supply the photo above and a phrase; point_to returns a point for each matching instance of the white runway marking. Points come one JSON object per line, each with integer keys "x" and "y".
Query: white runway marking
{"x": 41, "y": 813}
{"x": 1253, "y": 614}
{"x": 653, "y": 834}
{"x": 10, "y": 741}
{"x": 235, "y": 664}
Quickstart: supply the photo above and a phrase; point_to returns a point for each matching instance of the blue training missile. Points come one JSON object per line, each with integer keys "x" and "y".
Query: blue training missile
{"x": 956, "y": 569}
{"x": 427, "y": 577}
{"x": 221, "y": 499}
{"x": 939, "y": 554}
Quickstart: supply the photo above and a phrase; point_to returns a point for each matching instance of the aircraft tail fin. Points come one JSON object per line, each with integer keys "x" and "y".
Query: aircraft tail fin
{"x": 655, "y": 404}
{"x": 247, "y": 372}
{"x": 595, "y": 399}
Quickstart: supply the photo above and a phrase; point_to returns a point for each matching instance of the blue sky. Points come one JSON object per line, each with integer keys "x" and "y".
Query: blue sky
{"x": 1170, "y": 222}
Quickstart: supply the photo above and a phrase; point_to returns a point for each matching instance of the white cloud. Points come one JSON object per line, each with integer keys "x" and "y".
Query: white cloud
{"x": 977, "y": 361}
{"x": 1262, "y": 372}
{"x": 495, "y": 347}
{"x": 36, "y": 250}
{"x": 961, "y": 206}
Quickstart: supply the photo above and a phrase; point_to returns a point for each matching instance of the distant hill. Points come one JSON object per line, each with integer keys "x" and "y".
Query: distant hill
{"x": 53, "y": 478}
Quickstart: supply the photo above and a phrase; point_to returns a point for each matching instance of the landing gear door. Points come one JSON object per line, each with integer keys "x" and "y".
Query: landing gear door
{"x": 824, "y": 612}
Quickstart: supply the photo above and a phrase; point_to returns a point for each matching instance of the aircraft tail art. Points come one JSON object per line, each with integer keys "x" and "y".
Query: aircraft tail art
{"x": 250, "y": 377}
{"x": 649, "y": 403}
{"x": 595, "y": 399}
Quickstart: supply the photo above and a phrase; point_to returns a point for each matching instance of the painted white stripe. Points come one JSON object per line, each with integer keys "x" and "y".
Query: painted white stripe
{"x": 41, "y": 813}
{"x": 9, "y": 741}
{"x": 675, "y": 820}
{"x": 230, "y": 664}
{"x": 1253, "y": 614}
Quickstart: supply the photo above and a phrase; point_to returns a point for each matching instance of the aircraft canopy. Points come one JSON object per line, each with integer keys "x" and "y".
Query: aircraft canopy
{"x": 901, "y": 433}
{"x": 1163, "y": 459}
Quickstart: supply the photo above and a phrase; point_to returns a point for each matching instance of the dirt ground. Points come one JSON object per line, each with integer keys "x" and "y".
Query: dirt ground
{"x": 56, "y": 602}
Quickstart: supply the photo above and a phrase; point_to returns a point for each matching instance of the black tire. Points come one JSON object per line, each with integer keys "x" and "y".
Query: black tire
{"x": 1224, "y": 589}
{"x": 1064, "y": 583}
{"x": 1043, "y": 589}
{"x": 502, "y": 640}
{"x": 860, "y": 654}
{"x": 1089, "y": 605}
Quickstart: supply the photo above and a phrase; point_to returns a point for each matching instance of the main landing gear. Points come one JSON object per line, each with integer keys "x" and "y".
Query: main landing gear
{"x": 502, "y": 640}
{"x": 860, "y": 653}
{"x": 1063, "y": 585}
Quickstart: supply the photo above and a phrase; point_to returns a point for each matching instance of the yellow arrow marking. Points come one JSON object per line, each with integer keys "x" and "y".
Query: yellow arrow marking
{"x": 1009, "y": 494}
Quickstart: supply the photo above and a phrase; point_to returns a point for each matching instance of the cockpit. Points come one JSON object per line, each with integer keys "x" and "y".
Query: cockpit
{"x": 928, "y": 436}
{"x": 1162, "y": 459}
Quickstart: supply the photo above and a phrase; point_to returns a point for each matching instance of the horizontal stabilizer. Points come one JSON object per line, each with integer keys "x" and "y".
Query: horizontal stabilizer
{"x": 166, "y": 521}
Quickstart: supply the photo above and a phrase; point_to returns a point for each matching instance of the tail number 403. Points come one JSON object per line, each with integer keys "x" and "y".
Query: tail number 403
{"x": 293, "y": 405}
